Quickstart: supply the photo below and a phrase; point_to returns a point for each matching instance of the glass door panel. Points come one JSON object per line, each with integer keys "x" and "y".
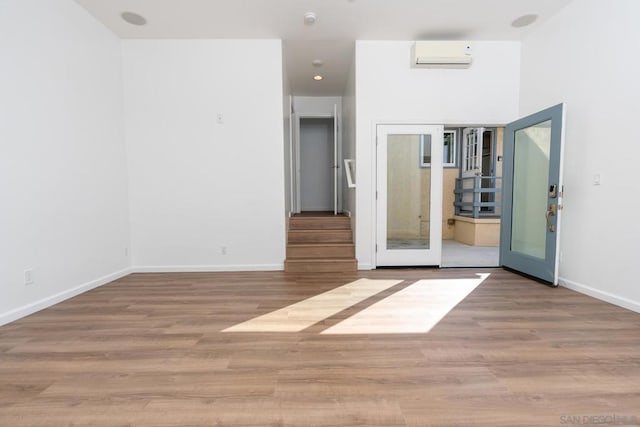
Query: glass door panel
{"x": 409, "y": 190}
{"x": 530, "y": 177}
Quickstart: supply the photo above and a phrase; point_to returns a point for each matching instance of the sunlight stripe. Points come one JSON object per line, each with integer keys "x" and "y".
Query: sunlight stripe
{"x": 301, "y": 315}
{"x": 415, "y": 309}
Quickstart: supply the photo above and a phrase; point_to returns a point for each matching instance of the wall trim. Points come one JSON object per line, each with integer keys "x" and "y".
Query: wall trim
{"x": 365, "y": 266}
{"x": 26, "y": 310}
{"x": 601, "y": 295}
{"x": 205, "y": 268}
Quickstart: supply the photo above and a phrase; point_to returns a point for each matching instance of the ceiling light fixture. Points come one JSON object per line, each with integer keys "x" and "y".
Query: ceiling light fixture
{"x": 524, "y": 20}
{"x": 133, "y": 18}
{"x": 317, "y": 63}
{"x": 318, "y": 77}
{"x": 310, "y": 18}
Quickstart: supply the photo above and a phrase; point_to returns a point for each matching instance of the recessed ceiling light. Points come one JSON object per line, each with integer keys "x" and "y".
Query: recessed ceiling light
{"x": 318, "y": 77}
{"x": 310, "y": 18}
{"x": 524, "y": 20}
{"x": 133, "y": 18}
{"x": 317, "y": 63}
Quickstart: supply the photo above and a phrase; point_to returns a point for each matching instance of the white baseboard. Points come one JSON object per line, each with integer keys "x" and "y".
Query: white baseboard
{"x": 601, "y": 295}
{"x": 205, "y": 268}
{"x": 365, "y": 266}
{"x": 346, "y": 212}
{"x": 28, "y": 309}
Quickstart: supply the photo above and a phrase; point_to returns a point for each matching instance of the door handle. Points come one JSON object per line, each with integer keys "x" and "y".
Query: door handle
{"x": 549, "y": 213}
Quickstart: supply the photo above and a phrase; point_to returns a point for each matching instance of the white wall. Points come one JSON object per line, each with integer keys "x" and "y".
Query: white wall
{"x": 388, "y": 90}
{"x": 306, "y": 106}
{"x": 197, "y": 185}
{"x": 586, "y": 57}
{"x": 63, "y": 179}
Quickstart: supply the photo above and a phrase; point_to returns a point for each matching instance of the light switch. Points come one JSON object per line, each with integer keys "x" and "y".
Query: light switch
{"x": 596, "y": 179}
{"x": 220, "y": 119}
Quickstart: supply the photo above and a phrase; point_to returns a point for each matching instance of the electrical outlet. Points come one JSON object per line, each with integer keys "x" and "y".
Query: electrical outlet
{"x": 219, "y": 118}
{"x": 28, "y": 277}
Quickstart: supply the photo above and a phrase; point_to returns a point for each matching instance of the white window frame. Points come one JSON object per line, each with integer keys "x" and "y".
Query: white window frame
{"x": 453, "y": 154}
{"x": 424, "y": 149}
{"x": 454, "y": 146}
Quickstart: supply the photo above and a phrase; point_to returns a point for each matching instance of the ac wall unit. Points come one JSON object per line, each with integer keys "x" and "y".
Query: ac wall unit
{"x": 441, "y": 54}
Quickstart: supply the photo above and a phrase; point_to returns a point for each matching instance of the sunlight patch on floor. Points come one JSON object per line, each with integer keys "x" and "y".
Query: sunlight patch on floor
{"x": 301, "y": 315}
{"x": 414, "y": 309}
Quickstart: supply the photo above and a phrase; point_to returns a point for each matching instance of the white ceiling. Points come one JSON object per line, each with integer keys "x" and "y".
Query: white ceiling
{"x": 331, "y": 39}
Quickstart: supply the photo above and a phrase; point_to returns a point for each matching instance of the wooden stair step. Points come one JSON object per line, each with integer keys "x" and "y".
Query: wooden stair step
{"x": 320, "y": 223}
{"x": 327, "y": 265}
{"x": 320, "y": 236}
{"x": 320, "y": 250}
{"x": 320, "y": 244}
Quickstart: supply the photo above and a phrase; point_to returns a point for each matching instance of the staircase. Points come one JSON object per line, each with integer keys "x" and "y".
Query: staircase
{"x": 320, "y": 243}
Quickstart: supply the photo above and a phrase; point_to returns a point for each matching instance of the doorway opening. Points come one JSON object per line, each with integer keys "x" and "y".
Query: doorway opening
{"x": 316, "y": 185}
{"x": 472, "y": 233}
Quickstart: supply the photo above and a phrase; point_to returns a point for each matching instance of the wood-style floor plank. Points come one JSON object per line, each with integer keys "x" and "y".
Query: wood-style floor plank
{"x": 149, "y": 350}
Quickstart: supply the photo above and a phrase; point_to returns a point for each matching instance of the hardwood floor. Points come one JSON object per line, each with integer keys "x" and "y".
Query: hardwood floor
{"x": 148, "y": 350}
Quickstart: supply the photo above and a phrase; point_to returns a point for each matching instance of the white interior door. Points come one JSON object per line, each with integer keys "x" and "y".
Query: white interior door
{"x": 293, "y": 171}
{"x": 336, "y": 163}
{"x": 297, "y": 207}
{"x": 409, "y": 195}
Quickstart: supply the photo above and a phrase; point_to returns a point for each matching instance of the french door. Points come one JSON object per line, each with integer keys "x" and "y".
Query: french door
{"x": 532, "y": 194}
{"x": 471, "y": 164}
{"x": 472, "y": 139}
{"x": 409, "y": 195}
